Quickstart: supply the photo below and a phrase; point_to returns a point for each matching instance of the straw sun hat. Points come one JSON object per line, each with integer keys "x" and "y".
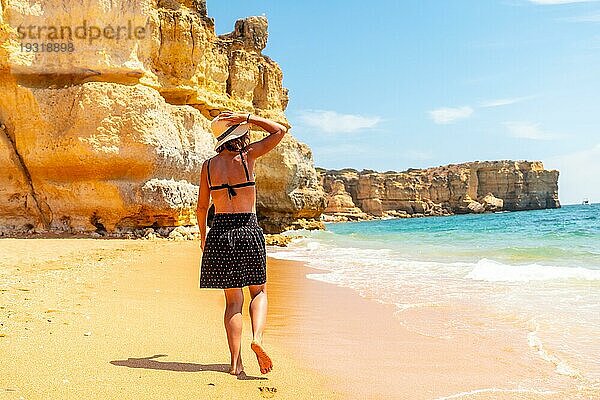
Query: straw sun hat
{"x": 223, "y": 131}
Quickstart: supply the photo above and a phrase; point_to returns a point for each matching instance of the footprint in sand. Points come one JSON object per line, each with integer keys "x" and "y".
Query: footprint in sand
{"x": 267, "y": 392}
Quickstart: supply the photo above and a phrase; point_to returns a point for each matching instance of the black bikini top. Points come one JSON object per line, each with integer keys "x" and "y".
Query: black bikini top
{"x": 231, "y": 188}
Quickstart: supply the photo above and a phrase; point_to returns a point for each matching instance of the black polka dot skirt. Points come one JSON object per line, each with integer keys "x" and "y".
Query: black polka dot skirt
{"x": 235, "y": 253}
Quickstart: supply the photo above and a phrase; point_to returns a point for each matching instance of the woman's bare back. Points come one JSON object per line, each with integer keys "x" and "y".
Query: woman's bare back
{"x": 227, "y": 168}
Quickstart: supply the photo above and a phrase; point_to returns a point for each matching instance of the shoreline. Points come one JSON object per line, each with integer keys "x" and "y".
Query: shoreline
{"x": 366, "y": 350}
{"x": 126, "y": 319}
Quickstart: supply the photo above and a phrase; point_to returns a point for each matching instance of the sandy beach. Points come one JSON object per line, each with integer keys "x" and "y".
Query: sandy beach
{"x": 124, "y": 319}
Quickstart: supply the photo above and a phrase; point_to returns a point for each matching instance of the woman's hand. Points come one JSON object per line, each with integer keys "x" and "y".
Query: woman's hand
{"x": 233, "y": 117}
{"x": 202, "y": 242}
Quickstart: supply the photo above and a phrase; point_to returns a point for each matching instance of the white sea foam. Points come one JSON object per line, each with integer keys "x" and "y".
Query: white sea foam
{"x": 492, "y": 271}
{"x": 561, "y": 367}
{"x": 380, "y": 274}
{"x": 325, "y": 256}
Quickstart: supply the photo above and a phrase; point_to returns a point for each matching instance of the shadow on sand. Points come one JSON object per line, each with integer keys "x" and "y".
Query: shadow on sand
{"x": 150, "y": 363}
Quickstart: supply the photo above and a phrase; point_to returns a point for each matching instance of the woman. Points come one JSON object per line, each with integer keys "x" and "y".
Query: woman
{"x": 233, "y": 252}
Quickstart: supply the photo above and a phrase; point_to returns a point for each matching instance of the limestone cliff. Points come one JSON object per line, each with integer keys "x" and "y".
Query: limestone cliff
{"x": 458, "y": 188}
{"x": 109, "y": 134}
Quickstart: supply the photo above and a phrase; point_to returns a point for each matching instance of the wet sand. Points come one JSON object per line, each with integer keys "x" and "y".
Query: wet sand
{"x": 120, "y": 319}
{"x": 364, "y": 348}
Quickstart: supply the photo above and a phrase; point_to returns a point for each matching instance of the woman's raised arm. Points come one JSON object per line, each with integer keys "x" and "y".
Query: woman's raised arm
{"x": 275, "y": 130}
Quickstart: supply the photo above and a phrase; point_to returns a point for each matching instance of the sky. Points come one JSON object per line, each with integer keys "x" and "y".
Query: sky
{"x": 390, "y": 85}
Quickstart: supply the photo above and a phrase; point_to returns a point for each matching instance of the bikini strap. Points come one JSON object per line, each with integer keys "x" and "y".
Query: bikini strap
{"x": 208, "y": 170}
{"x": 245, "y": 167}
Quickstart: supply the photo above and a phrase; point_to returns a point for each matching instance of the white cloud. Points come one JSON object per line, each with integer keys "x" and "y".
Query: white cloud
{"x": 529, "y": 130}
{"x": 333, "y": 122}
{"x": 549, "y": 2}
{"x": 504, "y": 102}
{"x": 579, "y": 175}
{"x": 448, "y": 115}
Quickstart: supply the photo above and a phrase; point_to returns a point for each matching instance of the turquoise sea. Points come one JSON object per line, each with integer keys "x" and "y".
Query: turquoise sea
{"x": 538, "y": 270}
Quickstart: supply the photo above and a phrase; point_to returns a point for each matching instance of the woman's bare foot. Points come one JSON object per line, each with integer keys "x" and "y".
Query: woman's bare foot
{"x": 237, "y": 367}
{"x": 264, "y": 362}
{"x": 236, "y": 370}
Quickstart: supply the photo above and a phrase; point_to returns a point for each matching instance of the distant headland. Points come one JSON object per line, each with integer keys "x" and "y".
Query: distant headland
{"x": 473, "y": 187}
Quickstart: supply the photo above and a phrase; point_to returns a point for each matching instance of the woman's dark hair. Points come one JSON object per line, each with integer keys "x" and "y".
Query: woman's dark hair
{"x": 236, "y": 144}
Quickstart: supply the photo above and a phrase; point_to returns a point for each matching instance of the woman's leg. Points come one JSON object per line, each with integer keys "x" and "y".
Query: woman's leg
{"x": 258, "y": 310}
{"x": 258, "y": 315}
{"x": 234, "y": 299}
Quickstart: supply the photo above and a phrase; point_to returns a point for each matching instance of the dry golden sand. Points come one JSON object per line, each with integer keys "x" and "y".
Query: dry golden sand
{"x": 124, "y": 319}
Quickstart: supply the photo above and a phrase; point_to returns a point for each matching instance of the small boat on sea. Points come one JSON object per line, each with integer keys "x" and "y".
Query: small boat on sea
{"x": 586, "y": 202}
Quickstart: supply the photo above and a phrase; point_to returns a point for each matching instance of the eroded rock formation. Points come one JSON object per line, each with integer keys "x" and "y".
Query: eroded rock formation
{"x": 340, "y": 203}
{"x": 110, "y": 134}
{"x": 462, "y": 188}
